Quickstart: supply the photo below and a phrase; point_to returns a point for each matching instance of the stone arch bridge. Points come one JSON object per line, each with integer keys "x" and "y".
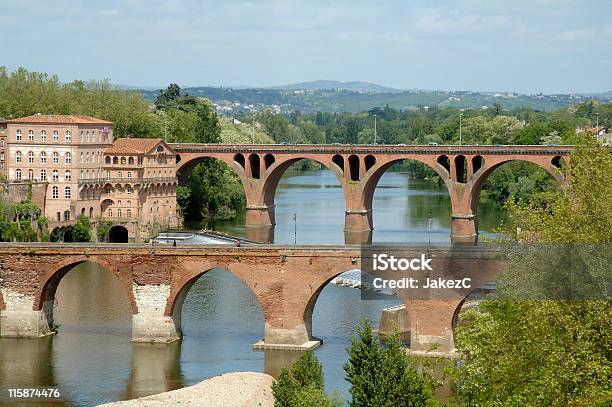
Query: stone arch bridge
{"x": 464, "y": 169}
{"x": 286, "y": 280}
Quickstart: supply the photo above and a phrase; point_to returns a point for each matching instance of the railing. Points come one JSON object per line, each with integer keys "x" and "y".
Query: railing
{"x": 150, "y": 180}
{"x": 373, "y": 148}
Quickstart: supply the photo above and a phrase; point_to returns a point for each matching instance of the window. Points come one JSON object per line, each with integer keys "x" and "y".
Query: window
{"x": 107, "y": 160}
{"x": 67, "y": 192}
{"x": 68, "y": 136}
{"x": 31, "y": 157}
{"x": 31, "y": 174}
{"x": 129, "y": 174}
{"x": 129, "y": 190}
{"x": 82, "y": 136}
{"x": 160, "y": 149}
{"x": 68, "y": 158}
{"x": 55, "y": 135}
{"x": 87, "y": 158}
{"x": 66, "y": 215}
{"x": 128, "y": 213}
{"x": 18, "y": 156}
{"x": 55, "y": 158}
{"x": 55, "y": 192}
{"x": 120, "y": 174}
{"x": 87, "y": 137}
{"x": 43, "y": 135}
{"x": 18, "y": 135}
{"x": 129, "y": 203}
{"x": 67, "y": 176}
{"x": 108, "y": 190}
{"x": 55, "y": 175}
{"x": 118, "y": 213}
{"x": 43, "y": 158}
{"x": 115, "y": 160}
{"x": 31, "y": 135}
{"x": 110, "y": 213}
{"x": 119, "y": 203}
{"x": 108, "y": 175}
{"x": 131, "y": 160}
{"x": 81, "y": 158}
{"x": 122, "y": 160}
{"x": 18, "y": 175}
{"x": 43, "y": 175}
{"x": 59, "y": 216}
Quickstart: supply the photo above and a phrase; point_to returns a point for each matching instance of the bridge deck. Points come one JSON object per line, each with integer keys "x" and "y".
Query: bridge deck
{"x": 372, "y": 149}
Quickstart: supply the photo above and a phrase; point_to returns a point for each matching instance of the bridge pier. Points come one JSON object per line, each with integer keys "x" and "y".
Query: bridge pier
{"x": 464, "y": 229}
{"x": 150, "y": 324}
{"x": 20, "y": 320}
{"x": 431, "y": 326}
{"x": 259, "y": 215}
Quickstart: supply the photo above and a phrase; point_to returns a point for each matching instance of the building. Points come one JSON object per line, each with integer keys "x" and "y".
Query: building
{"x": 2, "y": 146}
{"x": 130, "y": 182}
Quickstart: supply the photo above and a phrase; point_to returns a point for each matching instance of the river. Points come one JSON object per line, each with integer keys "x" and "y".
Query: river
{"x": 93, "y": 361}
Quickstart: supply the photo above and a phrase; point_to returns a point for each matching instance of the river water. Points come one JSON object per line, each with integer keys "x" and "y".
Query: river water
{"x": 93, "y": 361}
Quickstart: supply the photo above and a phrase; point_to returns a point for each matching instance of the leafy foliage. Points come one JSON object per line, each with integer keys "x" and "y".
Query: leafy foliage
{"x": 81, "y": 231}
{"x": 303, "y": 387}
{"x": 547, "y": 353}
{"x": 385, "y": 376}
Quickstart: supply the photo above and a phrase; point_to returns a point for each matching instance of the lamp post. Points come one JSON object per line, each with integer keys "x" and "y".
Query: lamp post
{"x": 460, "y": 117}
{"x": 375, "y": 129}
{"x": 253, "y": 130}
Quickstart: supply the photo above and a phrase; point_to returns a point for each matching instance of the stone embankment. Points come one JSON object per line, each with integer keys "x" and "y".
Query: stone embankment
{"x": 240, "y": 389}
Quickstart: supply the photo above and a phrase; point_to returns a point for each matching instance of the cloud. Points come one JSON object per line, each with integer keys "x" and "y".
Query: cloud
{"x": 460, "y": 44}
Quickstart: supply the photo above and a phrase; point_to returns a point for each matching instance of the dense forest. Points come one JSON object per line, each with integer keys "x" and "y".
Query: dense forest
{"x": 178, "y": 116}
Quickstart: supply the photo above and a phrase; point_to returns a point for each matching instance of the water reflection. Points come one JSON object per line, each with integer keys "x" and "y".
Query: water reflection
{"x": 156, "y": 368}
{"x": 404, "y": 210}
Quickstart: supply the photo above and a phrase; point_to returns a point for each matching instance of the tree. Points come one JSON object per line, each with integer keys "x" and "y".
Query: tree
{"x": 553, "y": 352}
{"x": 81, "y": 231}
{"x": 304, "y": 387}
{"x": 172, "y": 92}
{"x": 384, "y": 376}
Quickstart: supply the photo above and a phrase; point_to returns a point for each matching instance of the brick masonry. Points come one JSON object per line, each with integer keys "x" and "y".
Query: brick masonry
{"x": 286, "y": 281}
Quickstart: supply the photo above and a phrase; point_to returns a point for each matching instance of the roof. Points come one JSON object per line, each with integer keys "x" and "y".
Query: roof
{"x": 59, "y": 119}
{"x": 135, "y": 146}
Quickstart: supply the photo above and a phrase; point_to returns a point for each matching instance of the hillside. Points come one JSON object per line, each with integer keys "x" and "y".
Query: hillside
{"x": 356, "y": 86}
{"x": 231, "y": 101}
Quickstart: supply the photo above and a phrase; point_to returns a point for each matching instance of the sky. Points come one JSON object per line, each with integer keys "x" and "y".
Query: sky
{"x": 527, "y": 46}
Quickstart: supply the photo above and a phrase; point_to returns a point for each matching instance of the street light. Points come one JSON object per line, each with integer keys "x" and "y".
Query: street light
{"x": 460, "y": 117}
{"x": 375, "y": 129}
{"x": 253, "y": 130}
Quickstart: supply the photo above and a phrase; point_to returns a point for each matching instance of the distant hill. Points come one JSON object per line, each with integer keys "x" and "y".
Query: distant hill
{"x": 232, "y": 101}
{"x": 355, "y": 86}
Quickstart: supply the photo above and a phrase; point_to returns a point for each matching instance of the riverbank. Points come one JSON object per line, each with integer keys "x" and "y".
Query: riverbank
{"x": 239, "y": 389}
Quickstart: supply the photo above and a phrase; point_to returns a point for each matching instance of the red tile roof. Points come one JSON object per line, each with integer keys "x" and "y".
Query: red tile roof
{"x": 59, "y": 119}
{"x": 133, "y": 145}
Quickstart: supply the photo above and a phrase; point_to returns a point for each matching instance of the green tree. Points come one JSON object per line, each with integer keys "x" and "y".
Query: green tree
{"x": 385, "y": 376}
{"x": 81, "y": 230}
{"x": 303, "y": 387}
{"x": 547, "y": 353}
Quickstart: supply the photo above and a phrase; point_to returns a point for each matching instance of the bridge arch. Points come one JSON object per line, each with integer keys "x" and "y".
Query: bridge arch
{"x": 276, "y": 171}
{"x": 181, "y": 288}
{"x": 44, "y": 295}
{"x": 377, "y": 171}
{"x": 551, "y": 165}
{"x": 237, "y": 163}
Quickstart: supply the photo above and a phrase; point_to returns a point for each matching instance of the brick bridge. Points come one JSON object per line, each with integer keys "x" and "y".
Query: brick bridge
{"x": 358, "y": 168}
{"x": 286, "y": 280}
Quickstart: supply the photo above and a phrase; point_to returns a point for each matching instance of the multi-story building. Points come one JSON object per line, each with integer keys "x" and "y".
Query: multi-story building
{"x": 130, "y": 182}
{"x": 2, "y": 147}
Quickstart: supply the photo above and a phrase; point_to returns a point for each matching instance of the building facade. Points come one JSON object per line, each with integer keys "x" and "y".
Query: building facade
{"x": 88, "y": 173}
